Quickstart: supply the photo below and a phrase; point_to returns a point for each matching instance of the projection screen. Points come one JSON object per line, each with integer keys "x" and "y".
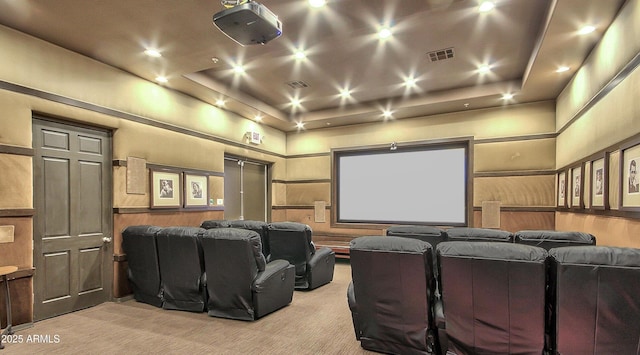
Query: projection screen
{"x": 417, "y": 184}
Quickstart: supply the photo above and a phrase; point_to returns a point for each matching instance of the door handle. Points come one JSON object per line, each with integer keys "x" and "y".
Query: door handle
{"x": 106, "y": 239}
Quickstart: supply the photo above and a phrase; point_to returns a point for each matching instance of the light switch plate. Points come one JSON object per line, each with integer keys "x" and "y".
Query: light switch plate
{"x": 6, "y": 234}
{"x": 219, "y": 202}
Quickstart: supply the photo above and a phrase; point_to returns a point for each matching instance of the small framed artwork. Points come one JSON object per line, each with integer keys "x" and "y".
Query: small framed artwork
{"x": 630, "y": 183}
{"x": 166, "y": 188}
{"x": 599, "y": 183}
{"x": 562, "y": 189}
{"x": 576, "y": 187}
{"x": 196, "y": 192}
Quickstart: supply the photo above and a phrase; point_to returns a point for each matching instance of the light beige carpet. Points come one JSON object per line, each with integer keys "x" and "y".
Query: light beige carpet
{"x": 316, "y": 322}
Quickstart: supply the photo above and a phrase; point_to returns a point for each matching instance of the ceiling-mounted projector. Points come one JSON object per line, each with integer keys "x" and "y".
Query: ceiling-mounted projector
{"x": 248, "y": 23}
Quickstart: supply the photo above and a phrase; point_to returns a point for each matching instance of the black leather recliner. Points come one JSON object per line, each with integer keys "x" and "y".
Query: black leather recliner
{"x": 139, "y": 243}
{"x": 594, "y": 295}
{"x": 240, "y": 283}
{"x": 554, "y": 239}
{"x": 259, "y": 227}
{"x": 391, "y": 294}
{"x": 291, "y": 241}
{"x": 469, "y": 234}
{"x": 182, "y": 268}
{"x": 493, "y": 298}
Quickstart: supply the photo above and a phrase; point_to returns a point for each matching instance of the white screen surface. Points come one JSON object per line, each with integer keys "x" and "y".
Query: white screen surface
{"x": 427, "y": 186}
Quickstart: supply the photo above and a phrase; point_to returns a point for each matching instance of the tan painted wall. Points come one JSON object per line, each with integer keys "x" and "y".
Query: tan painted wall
{"x": 618, "y": 46}
{"x": 613, "y": 119}
{"x": 506, "y": 121}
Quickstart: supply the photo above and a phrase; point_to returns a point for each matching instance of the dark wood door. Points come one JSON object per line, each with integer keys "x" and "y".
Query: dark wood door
{"x": 72, "y": 250}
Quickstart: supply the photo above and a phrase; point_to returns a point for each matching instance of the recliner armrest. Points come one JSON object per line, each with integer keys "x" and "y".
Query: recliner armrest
{"x": 272, "y": 271}
{"x": 319, "y": 256}
{"x": 351, "y": 298}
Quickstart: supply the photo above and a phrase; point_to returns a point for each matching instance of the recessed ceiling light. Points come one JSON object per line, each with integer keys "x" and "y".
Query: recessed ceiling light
{"x": 483, "y": 69}
{"x": 153, "y": 53}
{"x": 384, "y": 33}
{"x": 300, "y": 55}
{"x": 161, "y": 79}
{"x": 410, "y": 82}
{"x": 586, "y": 30}
{"x": 219, "y": 102}
{"x": 258, "y": 117}
{"x": 507, "y": 96}
{"x": 317, "y": 3}
{"x": 238, "y": 69}
{"x": 345, "y": 93}
{"x": 300, "y": 125}
{"x": 486, "y": 6}
{"x": 295, "y": 102}
{"x": 387, "y": 113}
{"x": 562, "y": 69}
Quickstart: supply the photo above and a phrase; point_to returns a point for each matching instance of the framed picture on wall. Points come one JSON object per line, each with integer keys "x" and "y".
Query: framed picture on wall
{"x": 165, "y": 188}
{"x": 599, "y": 191}
{"x": 562, "y": 181}
{"x": 196, "y": 190}
{"x": 575, "y": 192}
{"x": 630, "y": 183}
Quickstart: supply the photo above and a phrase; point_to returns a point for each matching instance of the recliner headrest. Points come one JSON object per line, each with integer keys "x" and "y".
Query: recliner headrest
{"x": 492, "y": 250}
{"x": 387, "y": 243}
{"x": 597, "y": 255}
{"x": 577, "y": 237}
{"x": 249, "y": 236}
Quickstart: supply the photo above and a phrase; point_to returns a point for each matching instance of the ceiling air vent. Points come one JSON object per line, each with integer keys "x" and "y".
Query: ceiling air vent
{"x": 441, "y": 54}
{"x": 297, "y": 84}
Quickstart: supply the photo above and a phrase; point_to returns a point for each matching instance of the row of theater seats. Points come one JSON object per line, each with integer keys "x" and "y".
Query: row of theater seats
{"x": 222, "y": 271}
{"x": 546, "y": 239}
{"x": 289, "y": 241}
{"x": 496, "y": 297}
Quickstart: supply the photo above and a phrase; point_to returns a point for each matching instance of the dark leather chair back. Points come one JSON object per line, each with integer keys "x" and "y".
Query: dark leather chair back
{"x": 233, "y": 257}
{"x": 493, "y": 297}
{"x": 182, "y": 268}
{"x": 391, "y": 294}
{"x": 468, "y": 234}
{"x": 291, "y": 241}
{"x": 139, "y": 243}
{"x": 241, "y": 284}
{"x": 259, "y": 227}
{"x": 553, "y": 239}
{"x": 595, "y": 300}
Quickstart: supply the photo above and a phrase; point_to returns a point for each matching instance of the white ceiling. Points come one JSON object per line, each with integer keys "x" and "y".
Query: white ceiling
{"x": 523, "y": 41}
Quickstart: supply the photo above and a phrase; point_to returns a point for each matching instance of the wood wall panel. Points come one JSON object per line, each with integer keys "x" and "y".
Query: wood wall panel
{"x": 120, "y": 196}
{"x": 19, "y": 252}
{"x": 21, "y": 302}
{"x": 317, "y": 167}
{"x": 520, "y": 191}
{"x": 278, "y": 194}
{"x": 16, "y": 181}
{"x": 611, "y": 231}
{"x": 535, "y": 154}
{"x": 305, "y": 194}
{"x": 514, "y": 221}
{"x": 121, "y": 285}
